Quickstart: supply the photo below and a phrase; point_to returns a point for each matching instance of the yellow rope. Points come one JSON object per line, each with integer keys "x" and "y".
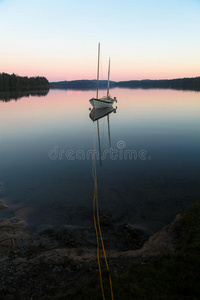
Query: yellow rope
{"x": 96, "y": 212}
{"x": 97, "y": 237}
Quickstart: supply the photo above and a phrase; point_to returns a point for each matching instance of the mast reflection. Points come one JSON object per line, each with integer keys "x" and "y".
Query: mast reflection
{"x": 100, "y": 113}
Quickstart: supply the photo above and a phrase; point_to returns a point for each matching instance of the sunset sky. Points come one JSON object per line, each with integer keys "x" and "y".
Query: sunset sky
{"x": 146, "y": 39}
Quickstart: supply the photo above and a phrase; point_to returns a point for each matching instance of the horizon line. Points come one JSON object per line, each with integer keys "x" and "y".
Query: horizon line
{"x": 123, "y": 80}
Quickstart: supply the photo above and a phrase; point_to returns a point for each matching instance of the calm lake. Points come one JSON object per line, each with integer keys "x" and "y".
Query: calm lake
{"x": 150, "y": 167}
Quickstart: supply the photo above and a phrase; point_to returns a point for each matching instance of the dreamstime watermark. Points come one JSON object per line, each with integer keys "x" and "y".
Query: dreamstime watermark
{"x": 119, "y": 153}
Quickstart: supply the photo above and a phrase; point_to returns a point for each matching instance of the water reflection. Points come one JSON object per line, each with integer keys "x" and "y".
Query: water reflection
{"x": 16, "y": 95}
{"x": 146, "y": 193}
{"x": 100, "y": 113}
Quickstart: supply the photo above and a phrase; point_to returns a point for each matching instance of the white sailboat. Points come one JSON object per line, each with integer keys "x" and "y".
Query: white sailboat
{"x": 106, "y": 101}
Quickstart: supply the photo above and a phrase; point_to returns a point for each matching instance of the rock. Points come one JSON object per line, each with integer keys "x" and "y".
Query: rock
{"x": 163, "y": 242}
{"x": 2, "y": 205}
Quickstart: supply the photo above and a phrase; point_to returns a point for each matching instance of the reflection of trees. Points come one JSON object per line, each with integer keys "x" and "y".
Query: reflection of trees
{"x": 18, "y": 83}
{"x": 16, "y": 95}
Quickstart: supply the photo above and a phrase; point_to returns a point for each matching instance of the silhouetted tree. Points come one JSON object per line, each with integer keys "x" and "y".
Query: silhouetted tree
{"x": 18, "y": 83}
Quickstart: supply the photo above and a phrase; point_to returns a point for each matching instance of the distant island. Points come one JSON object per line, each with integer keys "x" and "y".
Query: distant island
{"x": 81, "y": 84}
{"x": 18, "y": 83}
{"x": 178, "y": 84}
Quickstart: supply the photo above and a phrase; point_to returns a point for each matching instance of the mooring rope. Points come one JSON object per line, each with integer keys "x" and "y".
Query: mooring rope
{"x": 98, "y": 230}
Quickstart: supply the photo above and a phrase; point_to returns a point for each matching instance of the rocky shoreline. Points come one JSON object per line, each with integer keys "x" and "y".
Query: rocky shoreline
{"x": 57, "y": 263}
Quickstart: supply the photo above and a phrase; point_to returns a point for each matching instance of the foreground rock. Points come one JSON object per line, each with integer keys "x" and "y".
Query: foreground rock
{"x": 60, "y": 263}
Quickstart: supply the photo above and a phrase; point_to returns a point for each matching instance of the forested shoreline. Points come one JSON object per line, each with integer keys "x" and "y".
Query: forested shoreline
{"x": 14, "y": 82}
{"x": 178, "y": 84}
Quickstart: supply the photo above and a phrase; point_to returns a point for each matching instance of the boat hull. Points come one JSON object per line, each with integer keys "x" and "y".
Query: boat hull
{"x": 98, "y": 103}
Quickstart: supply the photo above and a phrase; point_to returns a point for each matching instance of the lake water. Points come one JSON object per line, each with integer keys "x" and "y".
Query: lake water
{"x": 149, "y": 172}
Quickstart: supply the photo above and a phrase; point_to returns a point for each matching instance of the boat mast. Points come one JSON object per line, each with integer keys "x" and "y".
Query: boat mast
{"x": 98, "y": 70}
{"x": 108, "y": 78}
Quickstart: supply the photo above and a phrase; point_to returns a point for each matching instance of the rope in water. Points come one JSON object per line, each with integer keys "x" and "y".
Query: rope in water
{"x": 98, "y": 230}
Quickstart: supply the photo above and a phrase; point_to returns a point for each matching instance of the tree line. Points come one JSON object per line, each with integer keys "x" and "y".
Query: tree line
{"x": 18, "y": 83}
{"x": 179, "y": 84}
{"x": 81, "y": 84}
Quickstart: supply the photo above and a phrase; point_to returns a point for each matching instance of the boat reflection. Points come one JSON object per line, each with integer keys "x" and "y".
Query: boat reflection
{"x": 100, "y": 113}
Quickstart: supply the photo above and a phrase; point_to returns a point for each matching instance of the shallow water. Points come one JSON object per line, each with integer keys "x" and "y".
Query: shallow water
{"x": 150, "y": 172}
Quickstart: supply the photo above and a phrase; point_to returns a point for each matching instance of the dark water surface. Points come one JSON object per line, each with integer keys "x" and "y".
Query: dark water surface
{"x": 151, "y": 172}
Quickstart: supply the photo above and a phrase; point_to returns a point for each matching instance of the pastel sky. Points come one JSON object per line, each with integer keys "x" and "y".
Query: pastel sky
{"x": 58, "y": 39}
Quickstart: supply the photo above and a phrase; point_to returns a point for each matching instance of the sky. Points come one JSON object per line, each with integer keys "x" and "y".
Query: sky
{"x": 58, "y": 39}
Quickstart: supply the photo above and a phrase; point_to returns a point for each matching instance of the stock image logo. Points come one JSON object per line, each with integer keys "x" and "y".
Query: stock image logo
{"x": 119, "y": 153}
